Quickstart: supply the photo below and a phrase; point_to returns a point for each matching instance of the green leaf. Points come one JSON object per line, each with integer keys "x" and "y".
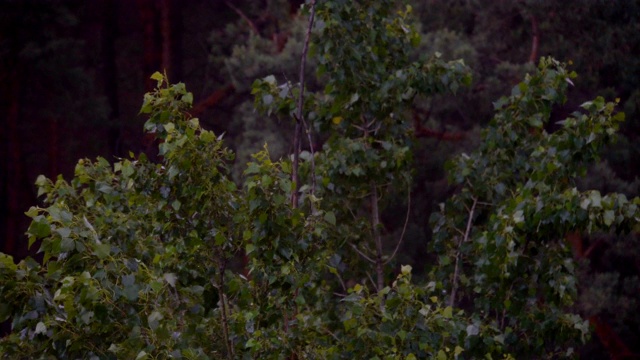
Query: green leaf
{"x": 39, "y": 228}
{"x": 350, "y": 324}
{"x": 188, "y": 98}
{"x": 87, "y": 317}
{"x": 6, "y": 262}
{"x": 595, "y": 199}
{"x": 154, "y": 320}
{"x": 252, "y": 168}
{"x": 5, "y": 311}
{"x": 102, "y": 250}
{"x": 330, "y": 217}
{"x": 157, "y": 76}
{"x": 131, "y": 292}
{"x": 249, "y": 248}
{"x": 33, "y": 212}
{"x": 155, "y": 285}
{"x": 170, "y": 278}
{"x": 458, "y": 350}
{"x": 447, "y": 312}
{"x": 267, "y": 99}
{"x": 63, "y": 232}
{"x": 608, "y": 217}
{"x": 518, "y": 216}
{"x": 41, "y": 328}
{"x": 67, "y": 245}
{"x": 405, "y": 269}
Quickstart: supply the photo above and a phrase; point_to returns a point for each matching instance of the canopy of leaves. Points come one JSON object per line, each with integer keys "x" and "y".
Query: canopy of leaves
{"x": 173, "y": 259}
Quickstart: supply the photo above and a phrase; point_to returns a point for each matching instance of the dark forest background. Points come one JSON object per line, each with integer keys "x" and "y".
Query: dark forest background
{"x": 73, "y": 74}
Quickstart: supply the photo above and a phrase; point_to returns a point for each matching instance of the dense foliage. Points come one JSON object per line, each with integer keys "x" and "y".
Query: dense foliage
{"x": 174, "y": 259}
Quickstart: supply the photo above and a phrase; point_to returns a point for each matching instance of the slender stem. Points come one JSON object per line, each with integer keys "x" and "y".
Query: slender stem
{"x": 294, "y": 169}
{"x": 223, "y": 313}
{"x": 377, "y": 238}
{"x": 300, "y": 117}
{"x": 454, "y": 286}
{"x": 244, "y": 17}
{"x": 363, "y": 254}
{"x": 313, "y": 157}
{"x": 404, "y": 228}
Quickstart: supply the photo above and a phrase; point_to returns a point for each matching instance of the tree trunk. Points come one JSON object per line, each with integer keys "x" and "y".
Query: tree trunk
{"x": 377, "y": 238}
{"x": 151, "y": 39}
{"x": 14, "y": 178}
{"x": 170, "y": 29}
{"x": 54, "y": 148}
{"x": 109, "y": 34}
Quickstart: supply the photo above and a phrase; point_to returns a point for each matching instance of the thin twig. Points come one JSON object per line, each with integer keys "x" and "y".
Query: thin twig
{"x": 535, "y": 41}
{"x": 313, "y": 162}
{"x": 223, "y": 313}
{"x": 363, "y": 254}
{"x": 459, "y": 231}
{"x": 243, "y": 16}
{"x": 333, "y": 335}
{"x": 300, "y": 117}
{"x": 344, "y": 287}
{"x": 454, "y": 287}
{"x": 404, "y": 228}
{"x": 377, "y": 238}
{"x": 372, "y": 282}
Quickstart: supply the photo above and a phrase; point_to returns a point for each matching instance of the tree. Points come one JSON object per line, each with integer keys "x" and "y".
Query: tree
{"x": 139, "y": 258}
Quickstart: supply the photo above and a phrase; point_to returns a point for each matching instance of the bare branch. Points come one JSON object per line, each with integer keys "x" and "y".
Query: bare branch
{"x": 211, "y": 100}
{"x": 372, "y": 282}
{"x": 462, "y": 240}
{"x": 363, "y": 254}
{"x": 404, "y": 228}
{"x": 377, "y": 238}
{"x": 300, "y": 121}
{"x": 244, "y": 17}
{"x": 223, "y": 312}
{"x": 344, "y": 287}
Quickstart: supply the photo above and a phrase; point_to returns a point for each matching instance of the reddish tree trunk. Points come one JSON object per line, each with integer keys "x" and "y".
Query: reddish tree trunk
{"x": 608, "y": 337}
{"x": 151, "y": 40}
{"x": 14, "y": 167}
{"x": 212, "y": 100}
{"x": 535, "y": 40}
{"x": 109, "y": 33}
{"x": 54, "y": 149}
{"x": 170, "y": 29}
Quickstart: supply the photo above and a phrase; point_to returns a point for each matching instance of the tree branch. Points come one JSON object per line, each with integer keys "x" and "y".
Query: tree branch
{"x": 223, "y": 313}
{"x": 244, "y": 17}
{"x": 377, "y": 238}
{"x": 421, "y": 131}
{"x": 212, "y": 100}
{"x": 404, "y": 228}
{"x": 363, "y": 254}
{"x": 611, "y": 341}
{"x": 454, "y": 287}
{"x": 300, "y": 118}
{"x": 535, "y": 43}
